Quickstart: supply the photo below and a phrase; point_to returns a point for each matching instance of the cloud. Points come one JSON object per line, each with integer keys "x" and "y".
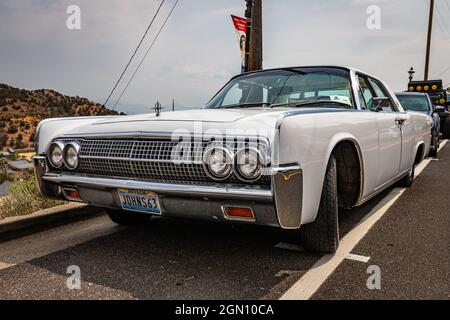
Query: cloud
{"x": 198, "y": 52}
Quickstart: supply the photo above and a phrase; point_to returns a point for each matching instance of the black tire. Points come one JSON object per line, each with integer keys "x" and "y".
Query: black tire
{"x": 433, "y": 153}
{"x": 408, "y": 180}
{"x": 446, "y": 128}
{"x": 124, "y": 218}
{"x": 435, "y": 145}
{"x": 322, "y": 235}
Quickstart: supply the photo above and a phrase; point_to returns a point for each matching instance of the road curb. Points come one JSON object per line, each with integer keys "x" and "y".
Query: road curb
{"x": 47, "y": 216}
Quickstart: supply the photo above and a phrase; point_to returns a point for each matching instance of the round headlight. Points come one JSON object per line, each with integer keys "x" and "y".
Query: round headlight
{"x": 249, "y": 163}
{"x": 70, "y": 155}
{"x": 218, "y": 163}
{"x": 55, "y": 154}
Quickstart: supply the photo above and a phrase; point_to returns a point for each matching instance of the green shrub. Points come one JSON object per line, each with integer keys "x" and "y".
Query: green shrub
{"x": 25, "y": 199}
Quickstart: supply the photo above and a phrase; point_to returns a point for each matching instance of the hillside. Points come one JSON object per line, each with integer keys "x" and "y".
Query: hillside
{"x": 21, "y": 110}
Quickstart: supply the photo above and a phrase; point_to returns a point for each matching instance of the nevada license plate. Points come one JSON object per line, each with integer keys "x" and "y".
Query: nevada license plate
{"x": 139, "y": 200}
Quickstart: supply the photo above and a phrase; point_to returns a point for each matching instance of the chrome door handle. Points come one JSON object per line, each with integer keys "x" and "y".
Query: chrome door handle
{"x": 400, "y": 121}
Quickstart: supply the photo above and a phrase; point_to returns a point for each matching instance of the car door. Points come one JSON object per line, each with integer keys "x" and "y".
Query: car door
{"x": 389, "y": 135}
{"x": 403, "y": 121}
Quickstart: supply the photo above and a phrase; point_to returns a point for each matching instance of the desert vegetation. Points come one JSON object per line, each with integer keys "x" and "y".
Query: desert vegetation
{"x": 21, "y": 110}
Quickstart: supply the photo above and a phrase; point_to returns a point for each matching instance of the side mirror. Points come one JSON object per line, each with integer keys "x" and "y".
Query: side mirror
{"x": 439, "y": 109}
{"x": 379, "y": 103}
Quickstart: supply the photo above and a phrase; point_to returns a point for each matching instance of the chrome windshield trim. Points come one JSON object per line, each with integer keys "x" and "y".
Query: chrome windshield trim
{"x": 224, "y": 192}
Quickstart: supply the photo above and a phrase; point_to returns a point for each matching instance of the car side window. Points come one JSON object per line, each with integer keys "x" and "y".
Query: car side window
{"x": 381, "y": 92}
{"x": 365, "y": 94}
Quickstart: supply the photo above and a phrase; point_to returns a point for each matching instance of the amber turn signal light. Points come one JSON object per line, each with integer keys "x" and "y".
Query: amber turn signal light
{"x": 71, "y": 194}
{"x": 239, "y": 213}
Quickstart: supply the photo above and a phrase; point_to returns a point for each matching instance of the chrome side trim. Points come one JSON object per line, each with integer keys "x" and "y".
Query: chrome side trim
{"x": 383, "y": 187}
{"x": 287, "y": 185}
{"x": 238, "y": 193}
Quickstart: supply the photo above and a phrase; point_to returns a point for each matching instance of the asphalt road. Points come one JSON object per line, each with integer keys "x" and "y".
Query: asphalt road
{"x": 410, "y": 245}
{"x": 185, "y": 259}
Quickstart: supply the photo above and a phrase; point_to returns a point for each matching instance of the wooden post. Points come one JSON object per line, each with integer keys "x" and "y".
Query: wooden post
{"x": 256, "y": 39}
{"x": 430, "y": 28}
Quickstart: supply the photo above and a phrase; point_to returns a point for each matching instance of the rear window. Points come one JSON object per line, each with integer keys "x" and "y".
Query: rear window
{"x": 414, "y": 103}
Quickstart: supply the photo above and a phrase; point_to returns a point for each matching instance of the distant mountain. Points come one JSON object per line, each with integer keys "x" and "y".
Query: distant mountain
{"x": 21, "y": 110}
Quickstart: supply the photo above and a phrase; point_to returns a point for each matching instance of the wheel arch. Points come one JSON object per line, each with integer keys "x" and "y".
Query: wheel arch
{"x": 419, "y": 152}
{"x": 335, "y": 143}
{"x": 346, "y": 141}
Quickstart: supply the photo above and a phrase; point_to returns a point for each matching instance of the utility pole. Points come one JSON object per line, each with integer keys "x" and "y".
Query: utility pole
{"x": 158, "y": 108}
{"x": 430, "y": 29}
{"x": 173, "y": 104}
{"x": 256, "y": 38}
{"x": 248, "y": 15}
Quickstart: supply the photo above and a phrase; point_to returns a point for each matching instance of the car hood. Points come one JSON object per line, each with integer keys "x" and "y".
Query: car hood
{"x": 182, "y": 121}
{"x": 231, "y": 122}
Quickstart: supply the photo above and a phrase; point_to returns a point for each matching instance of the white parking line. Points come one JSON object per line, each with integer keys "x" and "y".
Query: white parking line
{"x": 311, "y": 281}
{"x": 357, "y": 257}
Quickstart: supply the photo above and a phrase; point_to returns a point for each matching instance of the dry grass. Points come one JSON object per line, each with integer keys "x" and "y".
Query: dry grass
{"x": 27, "y": 155}
{"x": 24, "y": 198}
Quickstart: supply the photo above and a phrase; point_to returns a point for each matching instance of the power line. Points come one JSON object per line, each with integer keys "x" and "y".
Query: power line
{"x": 443, "y": 20}
{"x": 134, "y": 53}
{"x": 146, "y": 53}
{"x": 448, "y": 5}
{"x": 442, "y": 29}
{"x": 442, "y": 73}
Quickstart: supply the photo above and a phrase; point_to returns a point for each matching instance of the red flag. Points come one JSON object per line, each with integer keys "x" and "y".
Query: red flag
{"x": 240, "y": 25}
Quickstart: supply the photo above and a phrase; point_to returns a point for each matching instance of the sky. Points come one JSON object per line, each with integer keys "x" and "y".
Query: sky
{"x": 197, "y": 52}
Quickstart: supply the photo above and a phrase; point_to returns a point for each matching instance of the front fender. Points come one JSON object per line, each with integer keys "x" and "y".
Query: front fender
{"x": 48, "y": 129}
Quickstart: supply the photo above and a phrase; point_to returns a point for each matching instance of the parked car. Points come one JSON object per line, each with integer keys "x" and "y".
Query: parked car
{"x": 421, "y": 102}
{"x": 282, "y": 147}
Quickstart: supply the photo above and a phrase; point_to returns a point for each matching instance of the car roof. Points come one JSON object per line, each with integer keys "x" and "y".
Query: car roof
{"x": 303, "y": 67}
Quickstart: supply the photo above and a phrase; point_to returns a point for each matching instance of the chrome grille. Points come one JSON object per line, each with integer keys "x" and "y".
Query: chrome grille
{"x": 150, "y": 160}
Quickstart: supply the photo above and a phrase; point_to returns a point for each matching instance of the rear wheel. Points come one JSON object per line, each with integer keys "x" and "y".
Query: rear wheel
{"x": 124, "y": 218}
{"x": 408, "y": 180}
{"x": 322, "y": 235}
{"x": 435, "y": 145}
{"x": 433, "y": 152}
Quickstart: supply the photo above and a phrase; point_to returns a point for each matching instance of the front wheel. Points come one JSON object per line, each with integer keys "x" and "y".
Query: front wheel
{"x": 322, "y": 235}
{"x": 124, "y": 218}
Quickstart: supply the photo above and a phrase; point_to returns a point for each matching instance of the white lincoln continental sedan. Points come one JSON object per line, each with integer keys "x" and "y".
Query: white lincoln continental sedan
{"x": 284, "y": 148}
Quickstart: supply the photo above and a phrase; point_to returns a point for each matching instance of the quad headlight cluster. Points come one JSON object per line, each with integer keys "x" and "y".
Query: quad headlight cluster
{"x": 220, "y": 162}
{"x": 60, "y": 154}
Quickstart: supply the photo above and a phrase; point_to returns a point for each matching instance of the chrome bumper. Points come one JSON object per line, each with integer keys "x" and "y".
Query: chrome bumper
{"x": 280, "y": 206}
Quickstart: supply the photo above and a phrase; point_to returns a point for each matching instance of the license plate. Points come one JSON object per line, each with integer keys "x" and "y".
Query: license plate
{"x": 139, "y": 200}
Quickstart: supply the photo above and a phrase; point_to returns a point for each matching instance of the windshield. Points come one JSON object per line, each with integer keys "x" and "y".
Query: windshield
{"x": 294, "y": 87}
{"x": 414, "y": 102}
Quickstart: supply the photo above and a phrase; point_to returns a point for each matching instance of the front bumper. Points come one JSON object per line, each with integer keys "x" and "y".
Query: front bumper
{"x": 279, "y": 206}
